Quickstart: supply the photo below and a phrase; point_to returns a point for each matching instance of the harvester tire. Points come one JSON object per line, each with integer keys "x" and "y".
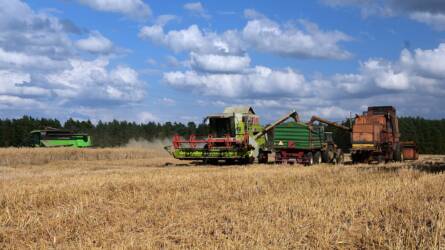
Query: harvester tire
{"x": 263, "y": 157}
{"x": 398, "y": 156}
{"x": 317, "y": 158}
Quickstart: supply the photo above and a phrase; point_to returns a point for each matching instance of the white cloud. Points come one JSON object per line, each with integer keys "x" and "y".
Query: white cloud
{"x": 427, "y": 63}
{"x": 162, "y": 20}
{"x": 43, "y": 69}
{"x": 258, "y": 81}
{"x": 435, "y": 20}
{"x": 309, "y": 42}
{"x": 145, "y": 117}
{"x": 14, "y": 83}
{"x": 91, "y": 80}
{"x": 13, "y": 59}
{"x": 193, "y": 39}
{"x": 430, "y": 12}
{"x": 219, "y": 63}
{"x": 197, "y": 8}
{"x": 95, "y": 43}
{"x": 168, "y": 101}
{"x": 136, "y": 9}
{"x": 15, "y": 102}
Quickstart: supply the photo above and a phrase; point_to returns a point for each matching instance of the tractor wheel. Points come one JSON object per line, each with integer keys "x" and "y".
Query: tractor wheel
{"x": 325, "y": 156}
{"x": 310, "y": 159}
{"x": 339, "y": 157}
{"x": 317, "y": 158}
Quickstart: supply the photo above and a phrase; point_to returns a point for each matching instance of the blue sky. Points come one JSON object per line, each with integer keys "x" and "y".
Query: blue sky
{"x": 180, "y": 60}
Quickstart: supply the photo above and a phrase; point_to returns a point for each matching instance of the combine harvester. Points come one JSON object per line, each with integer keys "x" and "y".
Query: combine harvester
{"x": 235, "y": 136}
{"x": 52, "y": 137}
{"x": 376, "y": 137}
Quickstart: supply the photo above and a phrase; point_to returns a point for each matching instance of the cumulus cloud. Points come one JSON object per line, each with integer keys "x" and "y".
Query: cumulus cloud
{"x": 430, "y": 12}
{"x": 419, "y": 72}
{"x": 135, "y": 9}
{"x": 145, "y": 117}
{"x": 260, "y": 33}
{"x": 196, "y": 8}
{"x": 41, "y": 66}
{"x": 258, "y": 81}
{"x": 91, "y": 80}
{"x": 95, "y": 43}
{"x": 308, "y": 42}
{"x": 416, "y": 76}
{"x": 193, "y": 39}
{"x": 219, "y": 63}
{"x": 435, "y": 20}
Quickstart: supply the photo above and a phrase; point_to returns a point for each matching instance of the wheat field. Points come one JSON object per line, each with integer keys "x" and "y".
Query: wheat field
{"x": 130, "y": 198}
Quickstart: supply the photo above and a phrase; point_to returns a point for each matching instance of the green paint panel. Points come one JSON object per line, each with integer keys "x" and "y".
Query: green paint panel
{"x": 74, "y": 142}
{"x": 298, "y": 135}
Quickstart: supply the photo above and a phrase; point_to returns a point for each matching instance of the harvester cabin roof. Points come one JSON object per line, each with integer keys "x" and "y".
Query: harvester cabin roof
{"x": 239, "y": 109}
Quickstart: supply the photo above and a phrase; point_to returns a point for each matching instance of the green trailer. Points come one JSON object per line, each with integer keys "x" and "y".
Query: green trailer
{"x": 51, "y": 137}
{"x": 297, "y": 142}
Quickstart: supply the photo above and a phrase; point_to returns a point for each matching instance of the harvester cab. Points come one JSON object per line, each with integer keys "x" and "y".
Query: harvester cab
{"x": 236, "y": 135}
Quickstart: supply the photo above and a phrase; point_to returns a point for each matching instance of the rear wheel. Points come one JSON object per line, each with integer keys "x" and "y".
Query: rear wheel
{"x": 317, "y": 157}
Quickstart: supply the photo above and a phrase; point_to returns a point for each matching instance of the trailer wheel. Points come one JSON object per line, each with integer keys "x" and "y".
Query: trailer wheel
{"x": 317, "y": 158}
{"x": 310, "y": 159}
{"x": 339, "y": 157}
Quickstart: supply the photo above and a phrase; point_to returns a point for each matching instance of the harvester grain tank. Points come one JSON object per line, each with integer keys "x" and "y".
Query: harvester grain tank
{"x": 52, "y": 137}
{"x": 376, "y": 136}
{"x": 235, "y": 136}
{"x": 306, "y": 143}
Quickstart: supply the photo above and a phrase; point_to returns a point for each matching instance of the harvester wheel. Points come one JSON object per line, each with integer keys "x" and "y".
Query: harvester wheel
{"x": 317, "y": 158}
{"x": 263, "y": 157}
{"x": 398, "y": 156}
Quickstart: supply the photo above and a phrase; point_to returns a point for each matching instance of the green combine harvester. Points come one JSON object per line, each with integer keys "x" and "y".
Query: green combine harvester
{"x": 235, "y": 136}
{"x": 51, "y": 137}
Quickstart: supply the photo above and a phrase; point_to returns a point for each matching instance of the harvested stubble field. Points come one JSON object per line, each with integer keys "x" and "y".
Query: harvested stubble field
{"x": 129, "y": 198}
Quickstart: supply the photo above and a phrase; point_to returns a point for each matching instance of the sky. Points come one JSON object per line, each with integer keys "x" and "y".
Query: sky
{"x": 147, "y": 60}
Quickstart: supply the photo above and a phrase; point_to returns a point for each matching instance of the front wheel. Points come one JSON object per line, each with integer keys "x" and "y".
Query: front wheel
{"x": 263, "y": 157}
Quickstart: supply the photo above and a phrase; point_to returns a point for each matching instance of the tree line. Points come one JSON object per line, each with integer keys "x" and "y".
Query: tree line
{"x": 429, "y": 134}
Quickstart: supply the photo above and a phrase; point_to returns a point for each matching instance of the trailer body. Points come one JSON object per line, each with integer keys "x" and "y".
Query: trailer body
{"x": 296, "y": 142}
